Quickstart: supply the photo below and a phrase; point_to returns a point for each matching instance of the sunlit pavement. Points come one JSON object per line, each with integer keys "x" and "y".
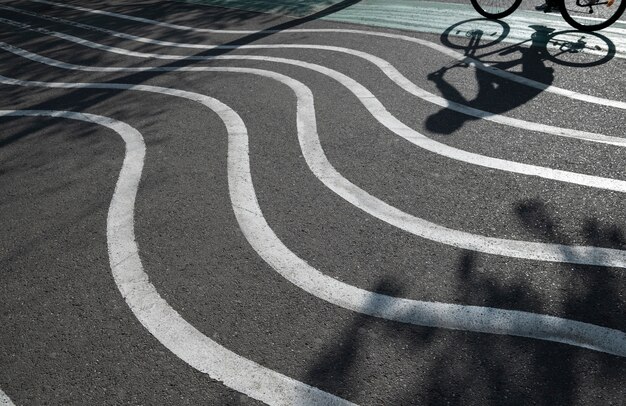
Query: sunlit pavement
{"x": 318, "y": 202}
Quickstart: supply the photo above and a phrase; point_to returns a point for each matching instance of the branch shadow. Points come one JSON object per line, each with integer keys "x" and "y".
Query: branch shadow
{"x": 466, "y": 368}
{"x": 14, "y": 70}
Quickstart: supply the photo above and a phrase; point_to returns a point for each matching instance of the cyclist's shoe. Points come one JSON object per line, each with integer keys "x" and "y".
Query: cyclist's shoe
{"x": 610, "y": 3}
{"x": 547, "y": 8}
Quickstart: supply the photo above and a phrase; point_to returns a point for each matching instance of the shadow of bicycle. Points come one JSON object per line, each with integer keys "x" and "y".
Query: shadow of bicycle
{"x": 497, "y": 94}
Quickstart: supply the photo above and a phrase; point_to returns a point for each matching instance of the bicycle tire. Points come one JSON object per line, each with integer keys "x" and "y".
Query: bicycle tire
{"x": 581, "y": 63}
{"x": 601, "y": 23}
{"x": 494, "y": 13}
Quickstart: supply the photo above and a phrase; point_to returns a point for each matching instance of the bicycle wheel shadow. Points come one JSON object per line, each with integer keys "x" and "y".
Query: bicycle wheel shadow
{"x": 498, "y": 95}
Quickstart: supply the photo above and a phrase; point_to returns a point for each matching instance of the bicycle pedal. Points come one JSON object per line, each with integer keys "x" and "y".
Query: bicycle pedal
{"x": 610, "y": 3}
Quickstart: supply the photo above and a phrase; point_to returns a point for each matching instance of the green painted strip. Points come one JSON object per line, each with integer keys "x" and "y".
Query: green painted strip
{"x": 435, "y": 17}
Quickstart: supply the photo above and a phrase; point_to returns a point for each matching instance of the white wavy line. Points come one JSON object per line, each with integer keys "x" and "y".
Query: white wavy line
{"x": 154, "y": 313}
{"x": 265, "y": 242}
{"x": 437, "y": 47}
{"x": 367, "y": 99}
{"x": 384, "y": 66}
{"x": 319, "y": 165}
{"x": 5, "y": 400}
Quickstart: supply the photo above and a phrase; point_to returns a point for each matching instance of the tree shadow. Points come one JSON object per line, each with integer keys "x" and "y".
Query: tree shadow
{"x": 299, "y": 8}
{"x": 78, "y": 103}
{"x": 467, "y": 368}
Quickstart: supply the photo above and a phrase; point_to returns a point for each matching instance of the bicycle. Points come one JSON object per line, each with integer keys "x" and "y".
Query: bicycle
{"x": 584, "y": 15}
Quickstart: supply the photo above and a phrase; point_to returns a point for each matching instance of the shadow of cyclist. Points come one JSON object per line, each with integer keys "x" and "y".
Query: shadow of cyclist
{"x": 495, "y": 94}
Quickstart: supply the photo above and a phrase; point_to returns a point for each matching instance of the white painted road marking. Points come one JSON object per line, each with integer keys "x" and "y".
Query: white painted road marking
{"x": 384, "y": 66}
{"x": 331, "y": 178}
{"x": 299, "y": 272}
{"x": 5, "y": 400}
{"x": 154, "y": 313}
{"x": 439, "y": 48}
{"x": 260, "y": 383}
{"x": 417, "y": 226}
{"x": 367, "y": 99}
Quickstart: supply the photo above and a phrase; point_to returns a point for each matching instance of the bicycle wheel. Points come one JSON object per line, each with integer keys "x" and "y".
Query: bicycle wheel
{"x": 592, "y": 15}
{"x": 494, "y": 9}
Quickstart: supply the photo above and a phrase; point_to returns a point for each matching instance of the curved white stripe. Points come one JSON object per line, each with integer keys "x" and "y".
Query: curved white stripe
{"x": 367, "y": 99}
{"x": 437, "y": 47}
{"x": 154, "y": 313}
{"x": 300, "y": 273}
{"x": 434, "y": 314}
{"x": 323, "y": 169}
{"x": 384, "y": 66}
{"x": 5, "y": 400}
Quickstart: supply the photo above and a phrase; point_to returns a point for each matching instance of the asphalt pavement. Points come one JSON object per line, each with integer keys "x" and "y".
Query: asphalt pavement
{"x": 316, "y": 212}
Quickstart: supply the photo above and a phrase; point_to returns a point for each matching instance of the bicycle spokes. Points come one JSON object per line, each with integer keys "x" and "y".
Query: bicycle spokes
{"x": 592, "y": 14}
{"x": 495, "y": 8}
